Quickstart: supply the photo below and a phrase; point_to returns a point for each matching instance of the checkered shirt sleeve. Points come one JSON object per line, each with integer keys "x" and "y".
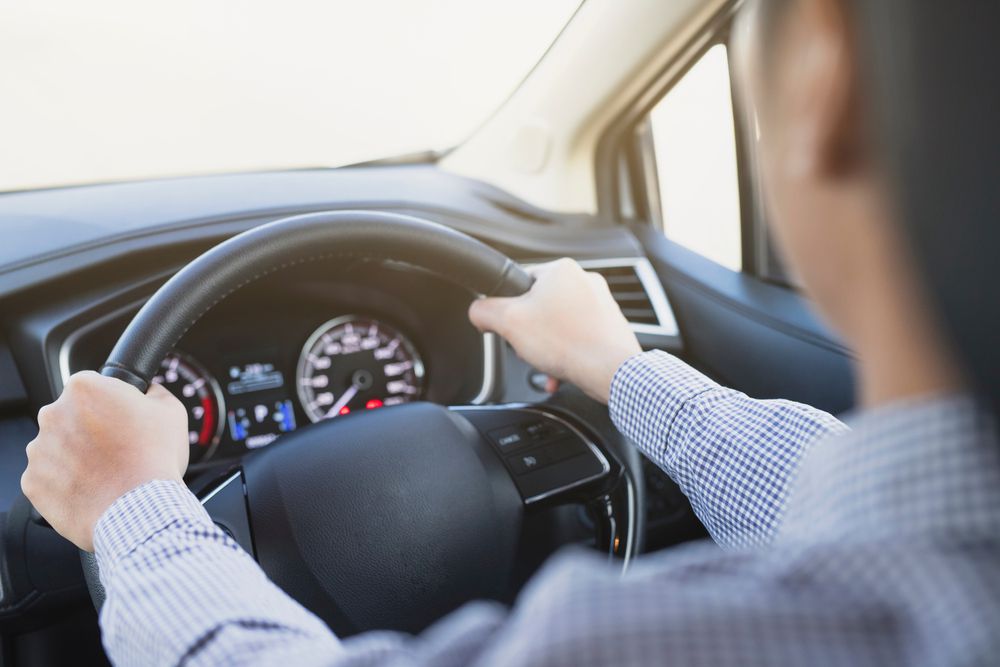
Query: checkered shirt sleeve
{"x": 734, "y": 457}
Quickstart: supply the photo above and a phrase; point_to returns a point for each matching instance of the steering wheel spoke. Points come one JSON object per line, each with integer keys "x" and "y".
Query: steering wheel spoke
{"x": 549, "y": 459}
{"x": 226, "y": 502}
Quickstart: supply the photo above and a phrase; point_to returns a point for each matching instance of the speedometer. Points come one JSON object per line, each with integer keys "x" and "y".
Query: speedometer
{"x": 357, "y": 363}
{"x": 199, "y": 392}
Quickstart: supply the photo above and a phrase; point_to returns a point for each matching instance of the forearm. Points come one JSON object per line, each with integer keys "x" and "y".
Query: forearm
{"x": 733, "y": 456}
{"x": 179, "y": 590}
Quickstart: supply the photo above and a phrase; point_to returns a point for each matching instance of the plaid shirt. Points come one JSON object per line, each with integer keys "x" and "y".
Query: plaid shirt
{"x": 878, "y": 545}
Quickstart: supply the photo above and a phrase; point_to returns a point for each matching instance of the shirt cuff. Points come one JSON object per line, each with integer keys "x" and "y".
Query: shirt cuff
{"x": 140, "y": 514}
{"x": 648, "y": 391}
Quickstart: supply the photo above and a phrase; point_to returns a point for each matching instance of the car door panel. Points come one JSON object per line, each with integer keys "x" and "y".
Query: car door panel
{"x": 754, "y": 336}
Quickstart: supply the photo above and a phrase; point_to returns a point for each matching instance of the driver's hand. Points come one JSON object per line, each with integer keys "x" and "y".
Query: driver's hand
{"x": 100, "y": 439}
{"x": 568, "y": 326}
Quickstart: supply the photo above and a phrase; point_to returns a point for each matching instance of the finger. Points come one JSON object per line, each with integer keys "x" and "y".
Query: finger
{"x": 28, "y": 482}
{"x": 87, "y": 374}
{"x": 490, "y": 314}
{"x": 159, "y": 392}
{"x": 538, "y": 270}
{"x": 31, "y": 448}
{"x": 551, "y": 384}
{"x": 88, "y": 381}
{"x": 45, "y": 416}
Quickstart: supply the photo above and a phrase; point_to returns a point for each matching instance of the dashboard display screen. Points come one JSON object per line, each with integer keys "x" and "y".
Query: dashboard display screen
{"x": 259, "y": 409}
{"x": 253, "y": 377}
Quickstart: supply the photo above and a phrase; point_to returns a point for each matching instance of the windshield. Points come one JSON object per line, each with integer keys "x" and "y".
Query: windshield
{"x": 110, "y": 90}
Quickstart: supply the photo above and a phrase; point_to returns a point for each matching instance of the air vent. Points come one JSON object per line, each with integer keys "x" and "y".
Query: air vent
{"x": 638, "y": 291}
{"x": 627, "y": 288}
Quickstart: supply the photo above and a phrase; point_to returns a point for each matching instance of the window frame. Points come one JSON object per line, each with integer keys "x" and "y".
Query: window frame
{"x": 626, "y": 179}
{"x": 648, "y": 147}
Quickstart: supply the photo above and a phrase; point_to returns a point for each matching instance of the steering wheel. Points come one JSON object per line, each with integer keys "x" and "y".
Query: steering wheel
{"x": 393, "y": 518}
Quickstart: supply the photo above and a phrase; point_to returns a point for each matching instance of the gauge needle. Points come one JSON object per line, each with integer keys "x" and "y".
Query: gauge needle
{"x": 345, "y": 398}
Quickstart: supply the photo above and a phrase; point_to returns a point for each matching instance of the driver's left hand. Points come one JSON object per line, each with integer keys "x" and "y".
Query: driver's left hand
{"x": 99, "y": 440}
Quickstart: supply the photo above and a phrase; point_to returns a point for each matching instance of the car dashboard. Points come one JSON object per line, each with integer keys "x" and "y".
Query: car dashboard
{"x": 279, "y": 353}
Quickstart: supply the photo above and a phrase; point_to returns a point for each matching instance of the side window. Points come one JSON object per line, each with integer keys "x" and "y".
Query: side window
{"x": 694, "y": 145}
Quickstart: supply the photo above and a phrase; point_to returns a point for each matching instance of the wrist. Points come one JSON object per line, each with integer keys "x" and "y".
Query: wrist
{"x": 657, "y": 386}
{"x": 599, "y": 387}
{"x": 140, "y": 513}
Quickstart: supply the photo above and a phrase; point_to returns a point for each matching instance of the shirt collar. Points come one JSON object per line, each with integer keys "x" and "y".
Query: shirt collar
{"x": 927, "y": 468}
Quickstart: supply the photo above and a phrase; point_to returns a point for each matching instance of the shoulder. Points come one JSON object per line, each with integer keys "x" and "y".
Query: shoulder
{"x": 871, "y": 603}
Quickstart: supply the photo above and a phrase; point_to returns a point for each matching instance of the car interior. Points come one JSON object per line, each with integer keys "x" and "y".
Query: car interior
{"x": 448, "y": 472}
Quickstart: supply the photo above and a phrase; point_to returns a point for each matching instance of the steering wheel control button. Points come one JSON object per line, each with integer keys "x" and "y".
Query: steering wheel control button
{"x": 537, "y": 430}
{"x": 545, "y": 430}
{"x": 528, "y": 461}
{"x": 554, "y": 477}
{"x": 535, "y": 459}
{"x": 546, "y": 456}
{"x": 566, "y": 448}
{"x": 508, "y": 437}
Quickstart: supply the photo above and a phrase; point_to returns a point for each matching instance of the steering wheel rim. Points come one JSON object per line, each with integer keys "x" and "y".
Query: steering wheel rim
{"x": 351, "y": 235}
{"x": 249, "y": 256}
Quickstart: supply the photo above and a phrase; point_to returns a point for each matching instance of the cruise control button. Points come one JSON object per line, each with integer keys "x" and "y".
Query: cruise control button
{"x": 543, "y": 430}
{"x": 527, "y": 462}
{"x": 537, "y": 430}
{"x": 507, "y": 437}
{"x": 564, "y": 449}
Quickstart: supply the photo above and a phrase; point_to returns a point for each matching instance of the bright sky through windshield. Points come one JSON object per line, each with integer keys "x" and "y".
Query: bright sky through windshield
{"x": 106, "y": 90}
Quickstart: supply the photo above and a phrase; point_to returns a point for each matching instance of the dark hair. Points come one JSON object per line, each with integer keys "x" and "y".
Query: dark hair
{"x": 930, "y": 68}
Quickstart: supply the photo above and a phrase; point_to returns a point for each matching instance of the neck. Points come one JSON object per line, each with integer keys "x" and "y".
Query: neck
{"x": 900, "y": 372}
{"x": 902, "y": 356}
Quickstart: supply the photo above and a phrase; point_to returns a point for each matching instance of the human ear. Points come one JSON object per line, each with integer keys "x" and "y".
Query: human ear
{"x": 822, "y": 85}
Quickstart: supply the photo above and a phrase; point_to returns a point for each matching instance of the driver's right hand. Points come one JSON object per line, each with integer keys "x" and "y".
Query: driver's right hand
{"x": 567, "y": 325}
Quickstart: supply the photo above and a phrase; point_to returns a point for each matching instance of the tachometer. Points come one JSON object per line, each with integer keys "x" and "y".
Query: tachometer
{"x": 357, "y": 363}
{"x": 201, "y": 396}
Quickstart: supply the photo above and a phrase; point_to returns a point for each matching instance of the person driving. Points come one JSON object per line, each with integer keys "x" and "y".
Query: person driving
{"x": 871, "y": 543}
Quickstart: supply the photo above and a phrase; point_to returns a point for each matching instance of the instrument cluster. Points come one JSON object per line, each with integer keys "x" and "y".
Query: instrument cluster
{"x": 349, "y": 364}
{"x": 282, "y": 355}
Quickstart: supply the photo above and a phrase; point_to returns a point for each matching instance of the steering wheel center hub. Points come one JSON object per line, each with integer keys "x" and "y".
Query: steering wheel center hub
{"x": 404, "y": 515}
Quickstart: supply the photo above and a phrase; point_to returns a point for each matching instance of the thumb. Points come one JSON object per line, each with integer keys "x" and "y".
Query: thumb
{"x": 490, "y": 314}
{"x": 159, "y": 392}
